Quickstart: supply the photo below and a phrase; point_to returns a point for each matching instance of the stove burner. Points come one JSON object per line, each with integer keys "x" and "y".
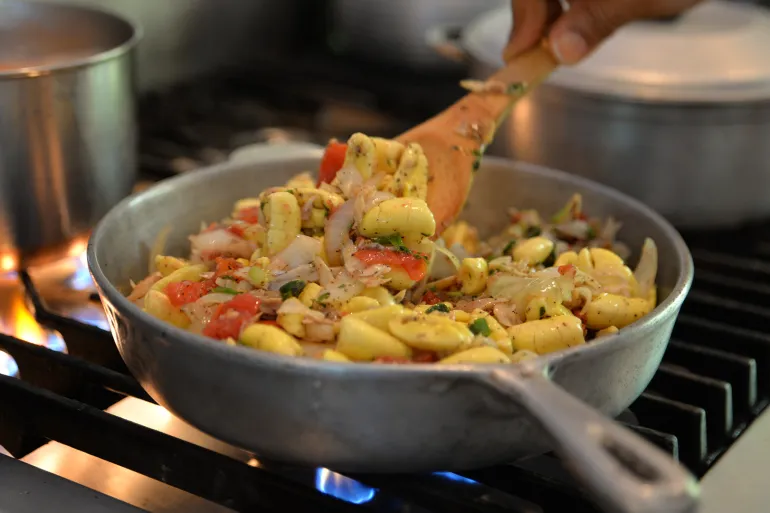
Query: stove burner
{"x": 341, "y": 487}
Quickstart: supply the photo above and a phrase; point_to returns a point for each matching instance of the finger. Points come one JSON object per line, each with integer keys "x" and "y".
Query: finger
{"x": 589, "y": 22}
{"x": 530, "y": 21}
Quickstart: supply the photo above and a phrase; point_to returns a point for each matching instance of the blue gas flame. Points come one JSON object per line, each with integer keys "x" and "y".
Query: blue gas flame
{"x": 342, "y": 487}
{"x": 454, "y": 477}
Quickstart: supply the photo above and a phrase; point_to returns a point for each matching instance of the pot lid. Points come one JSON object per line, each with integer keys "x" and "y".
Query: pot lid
{"x": 715, "y": 52}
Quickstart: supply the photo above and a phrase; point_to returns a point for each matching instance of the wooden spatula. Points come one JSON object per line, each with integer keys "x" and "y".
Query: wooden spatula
{"x": 454, "y": 140}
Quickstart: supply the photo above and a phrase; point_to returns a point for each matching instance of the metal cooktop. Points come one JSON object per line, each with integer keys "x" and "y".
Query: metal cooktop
{"x": 79, "y": 433}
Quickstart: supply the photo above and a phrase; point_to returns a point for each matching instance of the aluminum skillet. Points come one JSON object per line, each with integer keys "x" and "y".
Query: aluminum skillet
{"x": 412, "y": 418}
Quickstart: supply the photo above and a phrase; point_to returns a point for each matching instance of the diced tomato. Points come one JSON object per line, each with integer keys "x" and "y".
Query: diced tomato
{"x": 224, "y": 328}
{"x": 429, "y": 298}
{"x": 249, "y": 215}
{"x": 236, "y": 229}
{"x": 424, "y": 356}
{"x": 244, "y": 304}
{"x": 566, "y": 269}
{"x": 210, "y": 228}
{"x": 230, "y": 317}
{"x": 332, "y": 161}
{"x": 225, "y": 266}
{"x": 391, "y": 359}
{"x": 415, "y": 265}
{"x": 515, "y": 218}
{"x": 184, "y": 292}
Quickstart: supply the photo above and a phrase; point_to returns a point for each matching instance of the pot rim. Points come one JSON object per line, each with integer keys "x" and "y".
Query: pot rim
{"x": 134, "y": 28}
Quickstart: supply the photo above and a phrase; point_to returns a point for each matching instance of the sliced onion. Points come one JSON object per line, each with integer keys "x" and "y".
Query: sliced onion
{"x": 302, "y": 250}
{"x": 223, "y": 242}
{"x": 314, "y": 349}
{"x": 214, "y": 298}
{"x": 348, "y": 180}
{"x": 336, "y": 232}
{"x": 342, "y": 288}
{"x": 483, "y": 303}
{"x": 141, "y": 288}
{"x": 505, "y": 313}
{"x": 647, "y": 268}
{"x": 306, "y": 272}
{"x": 368, "y": 198}
{"x": 295, "y": 306}
{"x": 521, "y": 289}
{"x": 447, "y": 263}
{"x": 307, "y": 208}
{"x": 577, "y": 229}
{"x": 324, "y": 273}
{"x": 376, "y": 198}
{"x": 610, "y": 230}
{"x": 318, "y": 332}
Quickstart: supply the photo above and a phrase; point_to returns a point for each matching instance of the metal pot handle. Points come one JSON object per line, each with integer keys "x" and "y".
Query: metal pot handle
{"x": 625, "y": 473}
{"x": 445, "y": 41}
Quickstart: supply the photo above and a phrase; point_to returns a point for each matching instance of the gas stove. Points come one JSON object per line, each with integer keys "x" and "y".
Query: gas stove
{"x": 79, "y": 433}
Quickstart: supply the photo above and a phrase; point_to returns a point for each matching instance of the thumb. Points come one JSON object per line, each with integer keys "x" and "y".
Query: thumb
{"x": 531, "y": 18}
{"x": 589, "y": 22}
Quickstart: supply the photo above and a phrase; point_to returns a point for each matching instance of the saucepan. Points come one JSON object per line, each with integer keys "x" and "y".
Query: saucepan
{"x": 67, "y": 127}
{"x": 675, "y": 113}
{"x": 410, "y": 418}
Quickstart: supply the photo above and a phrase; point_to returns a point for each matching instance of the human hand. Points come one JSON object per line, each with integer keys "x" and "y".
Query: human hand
{"x": 576, "y": 32}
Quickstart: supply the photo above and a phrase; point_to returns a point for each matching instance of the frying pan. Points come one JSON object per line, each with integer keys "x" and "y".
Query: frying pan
{"x": 410, "y": 418}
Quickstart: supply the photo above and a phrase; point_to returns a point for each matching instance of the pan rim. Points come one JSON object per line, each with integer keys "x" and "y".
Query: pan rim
{"x": 107, "y": 290}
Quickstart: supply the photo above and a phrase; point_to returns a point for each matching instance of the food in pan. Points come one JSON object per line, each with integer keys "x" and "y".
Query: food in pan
{"x": 347, "y": 269}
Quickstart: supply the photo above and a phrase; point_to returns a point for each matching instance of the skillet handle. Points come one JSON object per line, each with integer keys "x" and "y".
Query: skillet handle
{"x": 625, "y": 473}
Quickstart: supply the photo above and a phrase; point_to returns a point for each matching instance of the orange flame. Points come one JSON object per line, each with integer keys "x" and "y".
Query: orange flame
{"x": 18, "y": 321}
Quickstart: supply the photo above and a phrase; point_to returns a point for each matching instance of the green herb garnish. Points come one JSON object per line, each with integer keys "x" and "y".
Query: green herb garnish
{"x": 291, "y": 289}
{"x": 542, "y": 312}
{"x": 476, "y": 164}
{"x": 590, "y": 233}
{"x": 224, "y": 290}
{"x": 532, "y": 231}
{"x": 227, "y": 278}
{"x": 323, "y": 297}
{"x": 480, "y": 327}
{"x": 439, "y": 307}
{"x": 508, "y": 247}
{"x": 393, "y": 240}
{"x": 516, "y": 88}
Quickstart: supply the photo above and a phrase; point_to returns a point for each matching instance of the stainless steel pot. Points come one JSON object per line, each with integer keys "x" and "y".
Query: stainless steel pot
{"x": 67, "y": 137}
{"x": 402, "y": 418}
{"x": 187, "y": 38}
{"x": 676, "y": 114}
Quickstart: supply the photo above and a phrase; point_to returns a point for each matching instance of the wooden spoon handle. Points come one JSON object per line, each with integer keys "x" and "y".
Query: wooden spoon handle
{"x": 528, "y": 70}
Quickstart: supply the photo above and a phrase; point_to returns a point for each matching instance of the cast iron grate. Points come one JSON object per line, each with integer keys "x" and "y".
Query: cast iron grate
{"x": 709, "y": 388}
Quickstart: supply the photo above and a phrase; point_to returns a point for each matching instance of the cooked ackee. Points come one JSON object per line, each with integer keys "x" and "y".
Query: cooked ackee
{"x": 348, "y": 269}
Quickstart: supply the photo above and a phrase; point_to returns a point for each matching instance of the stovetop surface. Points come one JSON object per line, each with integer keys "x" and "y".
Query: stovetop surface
{"x": 77, "y": 413}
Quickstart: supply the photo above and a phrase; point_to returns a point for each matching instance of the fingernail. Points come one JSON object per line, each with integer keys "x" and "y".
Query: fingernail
{"x": 569, "y": 47}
